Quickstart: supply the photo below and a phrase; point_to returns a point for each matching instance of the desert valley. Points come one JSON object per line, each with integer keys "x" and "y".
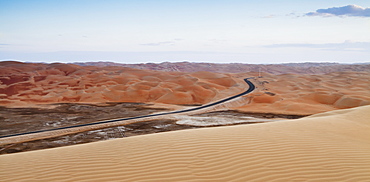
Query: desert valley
{"x": 190, "y": 91}
{"x": 296, "y": 90}
{"x": 330, "y": 142}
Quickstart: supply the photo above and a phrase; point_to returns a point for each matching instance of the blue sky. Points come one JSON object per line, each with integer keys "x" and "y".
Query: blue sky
{"x": 133, "y": 31}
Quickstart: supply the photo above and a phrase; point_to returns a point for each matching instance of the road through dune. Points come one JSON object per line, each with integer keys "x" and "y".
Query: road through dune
{"x": 32, "y": 84}
{"x": 49, "y": 133}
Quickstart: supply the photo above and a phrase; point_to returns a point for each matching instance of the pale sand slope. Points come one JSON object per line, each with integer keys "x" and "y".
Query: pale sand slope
{"x": 333, "y": 146}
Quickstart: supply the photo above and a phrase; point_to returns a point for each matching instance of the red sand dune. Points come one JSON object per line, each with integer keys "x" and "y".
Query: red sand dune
{"x": 28, "y": 83}
{"x": 309, "y": 94}
{"x": 25, "y": 84}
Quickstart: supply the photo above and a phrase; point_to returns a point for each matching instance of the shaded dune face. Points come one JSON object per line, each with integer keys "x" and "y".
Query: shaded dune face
{"x": 309, "y": 94}
{"x": 25, "y": 83}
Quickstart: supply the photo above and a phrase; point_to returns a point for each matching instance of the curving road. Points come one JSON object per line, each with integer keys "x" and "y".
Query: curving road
{"x": 251, "y": 88}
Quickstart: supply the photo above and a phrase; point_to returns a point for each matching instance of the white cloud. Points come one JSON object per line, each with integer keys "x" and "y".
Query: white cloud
{"x": 269, "y": 16}
{"x": 345, "y": 46}
{"x": 5, "y": 45}
{"x": 163, "y": 43}
{"x": 159, "y": 43}
{"x": 349, "y": 10}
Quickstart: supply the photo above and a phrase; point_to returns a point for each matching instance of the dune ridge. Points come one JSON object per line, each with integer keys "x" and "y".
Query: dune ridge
{"x": 332, "y": 146}
{"x": 295, "y": 68}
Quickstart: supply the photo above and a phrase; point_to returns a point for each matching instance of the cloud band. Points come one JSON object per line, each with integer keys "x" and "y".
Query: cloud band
{"x": 349, "y": 10}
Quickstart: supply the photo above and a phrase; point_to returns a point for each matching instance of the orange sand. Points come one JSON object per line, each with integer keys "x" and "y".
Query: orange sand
{"x": 332, "y": 146}
{"x": 26, "y": 84}
{"x": 309, "y": 94}
{"x": 22, "y": 84}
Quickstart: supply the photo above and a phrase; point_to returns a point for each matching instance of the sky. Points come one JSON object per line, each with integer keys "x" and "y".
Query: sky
{"x": 218, "y": 31}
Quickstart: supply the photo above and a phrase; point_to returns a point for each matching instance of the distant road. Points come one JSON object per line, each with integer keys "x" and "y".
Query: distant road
{"x": 251, "y": 88}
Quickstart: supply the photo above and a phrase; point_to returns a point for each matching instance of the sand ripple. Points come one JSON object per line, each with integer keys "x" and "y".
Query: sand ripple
{"x": 333, "y": 146}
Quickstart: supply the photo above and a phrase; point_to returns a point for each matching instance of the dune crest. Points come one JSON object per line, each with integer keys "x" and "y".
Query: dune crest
{"x": 333, "y": 146}
{"x": 296, "y": 68}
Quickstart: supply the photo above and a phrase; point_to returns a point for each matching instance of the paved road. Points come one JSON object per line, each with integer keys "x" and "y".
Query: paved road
{"x": 251, "y": 88}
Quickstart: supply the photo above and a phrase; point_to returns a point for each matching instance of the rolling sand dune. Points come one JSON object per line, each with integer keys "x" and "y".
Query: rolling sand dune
{"x": 295, "y": 68}
{"x": 332, "y": 146}
{"x": 22, "y": 84}
{"x": 26, "y": 84}
{"x": 309, "y": 94}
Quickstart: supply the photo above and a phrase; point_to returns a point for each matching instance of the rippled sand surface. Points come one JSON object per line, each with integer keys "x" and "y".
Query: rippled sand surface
{"x": 332, "y": 146}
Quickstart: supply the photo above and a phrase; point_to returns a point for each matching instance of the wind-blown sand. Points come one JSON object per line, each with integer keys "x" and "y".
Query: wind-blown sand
{"x": 332, "y": 146}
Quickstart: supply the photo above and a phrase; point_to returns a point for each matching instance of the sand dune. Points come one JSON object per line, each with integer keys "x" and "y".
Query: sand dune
{"x": 22, "y": 84}
{"x": 25, "y": 84}
{"x": 296, "y": 68}
{"x": 309, "y": 94}
{"x": 333, "y": 146}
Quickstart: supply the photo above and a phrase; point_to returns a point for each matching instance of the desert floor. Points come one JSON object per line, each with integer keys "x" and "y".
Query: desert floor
{"x": 18, "y": 120}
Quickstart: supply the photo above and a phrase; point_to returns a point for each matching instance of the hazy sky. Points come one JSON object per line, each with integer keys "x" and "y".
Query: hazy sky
{"x": 132, "y": 31}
